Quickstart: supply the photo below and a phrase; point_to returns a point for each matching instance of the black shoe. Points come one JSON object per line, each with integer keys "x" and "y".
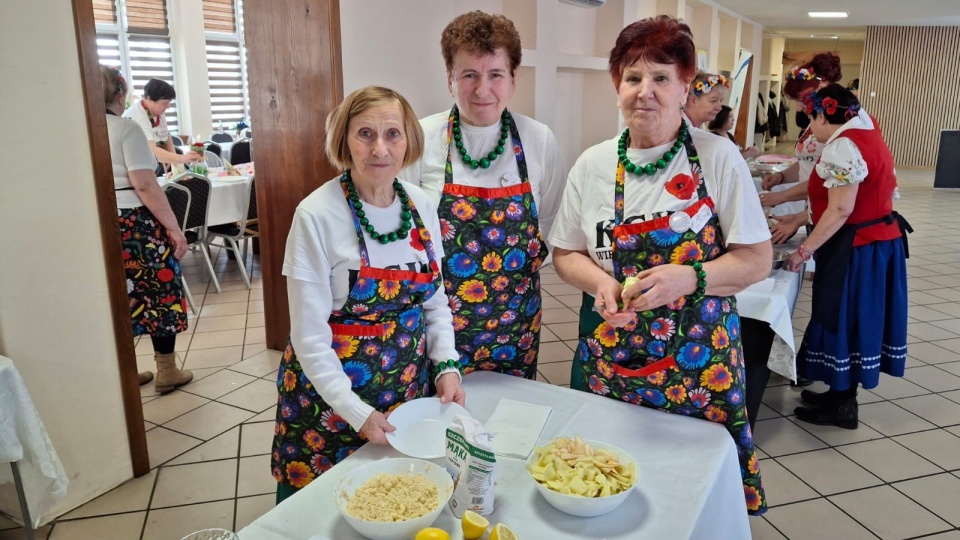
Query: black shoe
{"x": 841, "y": 414}
{"x": 801, "y": 382}
{"x": 820, "y": 399}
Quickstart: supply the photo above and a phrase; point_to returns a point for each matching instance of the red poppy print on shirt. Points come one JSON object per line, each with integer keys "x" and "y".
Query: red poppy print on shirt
{"x": 682, "y": 186}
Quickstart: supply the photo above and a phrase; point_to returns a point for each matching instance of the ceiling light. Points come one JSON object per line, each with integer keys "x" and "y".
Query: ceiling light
{"x": 828, "y": 14}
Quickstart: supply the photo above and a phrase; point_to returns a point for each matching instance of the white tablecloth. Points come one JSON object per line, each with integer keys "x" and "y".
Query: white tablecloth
{"x": 24, "y": 440}
{"x": 689, "y": 477}
{"x": 228, "y": 198}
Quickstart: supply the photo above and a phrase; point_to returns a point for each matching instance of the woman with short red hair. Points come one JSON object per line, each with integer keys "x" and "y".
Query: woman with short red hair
{"x": 674, "y": 209}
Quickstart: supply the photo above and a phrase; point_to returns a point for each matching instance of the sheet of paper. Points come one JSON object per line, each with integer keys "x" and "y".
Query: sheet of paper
{"x": 516, "y": 427}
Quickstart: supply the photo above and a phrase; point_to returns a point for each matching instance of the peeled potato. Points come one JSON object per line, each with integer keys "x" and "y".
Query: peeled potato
{"x": 627, "y": 283}
{"x": 573, "y": 467}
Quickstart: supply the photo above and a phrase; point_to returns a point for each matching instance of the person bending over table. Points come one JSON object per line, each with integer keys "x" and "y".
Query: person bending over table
{"x": 858, "y": 327}
{"x": 148, "y": 113}
{"x": 497, "y": 197}
{"x": 370, "y": 325}
{"x": 672, "y": 207}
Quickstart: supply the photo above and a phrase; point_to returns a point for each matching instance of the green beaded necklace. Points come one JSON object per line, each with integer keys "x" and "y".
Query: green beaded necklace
{"x": 650, "y": 168}
{"x": 406, "y": 215}
{"x": 494, "y": 154}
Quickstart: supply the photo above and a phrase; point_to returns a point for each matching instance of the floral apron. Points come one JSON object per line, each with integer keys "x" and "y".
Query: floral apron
{"x": 685, "y": 357}
{"x": 379, "y": 336}
{"x": 493, "y": 254}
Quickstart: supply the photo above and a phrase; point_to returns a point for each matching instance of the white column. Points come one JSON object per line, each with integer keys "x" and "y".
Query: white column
{"x": 545, "y": 70}
{"x": 189, "y": 47}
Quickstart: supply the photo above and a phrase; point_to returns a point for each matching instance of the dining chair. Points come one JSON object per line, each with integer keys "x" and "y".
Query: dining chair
{"x": 212, "y": 146}
{"x": 177, "y": 141}
{"x": 179, "y": 199}
{"x": 221, "y": 137}
{"x": 241, "y": 152}
{"x": 196, "y": 224}
{"x": 212, "y": 160}
{"x": 234, "y": 233}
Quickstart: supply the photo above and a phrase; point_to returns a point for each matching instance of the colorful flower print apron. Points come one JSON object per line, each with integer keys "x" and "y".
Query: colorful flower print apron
{"x": 379, "y": 336}
{"x": 684, "y": 357}
{"x": 493, "y": 254}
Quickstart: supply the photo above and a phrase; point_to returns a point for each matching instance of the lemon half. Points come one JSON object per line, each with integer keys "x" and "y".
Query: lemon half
{"x": 502, "y": 532}
{"x": 473, "y": 525}
{"x": 432, "y": 533}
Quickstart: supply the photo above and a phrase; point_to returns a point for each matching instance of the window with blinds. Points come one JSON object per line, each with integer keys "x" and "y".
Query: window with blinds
{"x": 226, "y": 62}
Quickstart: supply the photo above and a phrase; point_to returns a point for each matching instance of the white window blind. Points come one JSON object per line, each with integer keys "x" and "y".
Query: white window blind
{"x": 225, "y": 73}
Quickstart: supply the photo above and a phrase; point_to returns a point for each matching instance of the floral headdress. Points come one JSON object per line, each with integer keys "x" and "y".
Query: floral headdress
{"x": 706, "y": 85}
{"x": 803, "y": 74}
{"x": 815, "y": 104}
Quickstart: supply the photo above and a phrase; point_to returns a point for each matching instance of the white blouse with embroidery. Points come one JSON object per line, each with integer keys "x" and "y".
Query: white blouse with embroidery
{"x": 841, "y": 163}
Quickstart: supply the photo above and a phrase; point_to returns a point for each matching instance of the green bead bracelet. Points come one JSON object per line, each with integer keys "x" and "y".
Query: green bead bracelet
{"x": 701, "y": 278}
{"x": 446, "y": 364}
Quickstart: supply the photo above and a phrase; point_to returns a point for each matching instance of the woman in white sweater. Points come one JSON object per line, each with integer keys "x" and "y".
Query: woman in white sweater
{"x": 370, "y": 325}
{"x": 497, "y": 197}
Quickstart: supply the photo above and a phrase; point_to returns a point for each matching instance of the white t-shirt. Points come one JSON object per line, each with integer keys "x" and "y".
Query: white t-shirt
{"x": 540, "y": 147}
{"x": 322, "y": 251}
{"x": 129, "y": 151}
{"x": 138, "y": 114}
{"x": 585, "y": 219}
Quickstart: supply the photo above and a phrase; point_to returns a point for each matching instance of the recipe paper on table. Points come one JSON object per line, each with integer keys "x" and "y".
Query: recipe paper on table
{"x": 516, "y": 426}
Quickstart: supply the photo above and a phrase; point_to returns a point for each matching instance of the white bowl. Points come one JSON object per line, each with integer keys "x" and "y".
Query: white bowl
{"x": 578, "y": 505}
{"x": 400, "y": 530}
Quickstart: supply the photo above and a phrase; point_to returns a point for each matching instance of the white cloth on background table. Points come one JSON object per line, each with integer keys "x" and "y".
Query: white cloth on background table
{"x": 228, "y": 198}
{"x": 689, "y": 483}
{"x": 24, "y": 439}
{"x": 516, "y": 427}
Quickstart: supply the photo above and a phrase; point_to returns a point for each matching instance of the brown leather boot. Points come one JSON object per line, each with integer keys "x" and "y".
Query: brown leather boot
{"x": 144, "y": 377}
{"x": 168, "y": 376}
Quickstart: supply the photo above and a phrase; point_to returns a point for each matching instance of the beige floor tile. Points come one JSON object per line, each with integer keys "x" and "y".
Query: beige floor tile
{"x": 940, "y": 494}
{"x": 239, "y": 285}
{"x": 933, "y": 296}
{"x": 560, "y": 289}
{"x": 256, "y": 437}
{"x": 227, "y": 297}
{"x": 210, "y": 420}
{"x": 952, "y": 535}
{"x": 222, "y": 446}
{"x": 195, "y": 483}
{"x": 272, "y": 376}
{"x": 897, "y": 387}
{"x": 211, "y": 340}
{"x": 167, "y": 407}
{"x": 797, "y": 522}
{"x": 891, "y": 420}
{"x": 779, "y": 437}
{"x": 251, "y": 508}
{"x": 835, "y": 436}
{"x": 256, "y": 320}
{"x": 933, "y": 408}
{"x": 255, "y": 306}
{"x": 255, "y": 335}
{"x": 766, "y": 413}
{"x": 549, "y": 302}
{"x": 761, "y": 529}
{"x": 571, "y": 300}
{"x": 7, "y": 523}
{"x": 950, "y": 308}
{"x": 254, "y": 349}
{"x": 265, "y": 416}
{"x": 19, "y": 534}
{"x": 556, "y": 351}
{"x": 829, "y": 471}
{"x": 132, "y": 496}
{"x": 952, "y": 396}
{"x": 933, "y": 378}
{"x": 219, "y": 384}
{"x": 222, "y": 310}
{"x": 254, "y": 397}
{"x": 255, "y": 477}
{"x": 927, "y": 313}
{"x": 566, "y": 331}
{"x": 888, "y": 513}
{"x": 171, "y": 523}
{"x": 546, "y": 336}
{"x": 560, "y": 315}
{"x": 783, "y": 399}
{"x": 259, "y": 364}
{"x": 557, "y": 373}
{"x": 219, "y": 324}
{"x": 782, "y": 486}
{"x": 888, "y": 460}
{"x": 208, "y": 358}
{"x": 99, "y": 528}
{"x": 927, "y": 331}
{"x": 164, "y": 444}
{"x": 938, "y": 446}
{"x": 951, "y": 367}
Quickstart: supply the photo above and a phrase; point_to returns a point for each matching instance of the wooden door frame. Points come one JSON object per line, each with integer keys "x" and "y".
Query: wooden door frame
{"x": 746, "y": 101}
{"x": 86, "y": 30}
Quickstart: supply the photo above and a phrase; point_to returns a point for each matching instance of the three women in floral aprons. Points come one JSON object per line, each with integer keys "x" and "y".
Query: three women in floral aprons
{"x": 675, "y": 208}
{"x": 498, "y": 177}
{"x": 371, "y": 326}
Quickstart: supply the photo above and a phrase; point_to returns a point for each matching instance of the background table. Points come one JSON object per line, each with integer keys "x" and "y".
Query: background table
{"x": 689, "y": 477}
{"x": 228, "y": 198}
{"x": 24, "y": 442}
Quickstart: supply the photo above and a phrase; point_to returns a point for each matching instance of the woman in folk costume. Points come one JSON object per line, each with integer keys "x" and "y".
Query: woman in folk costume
{"x": 498, "y": 177}
{"x": 370, "y": 325}
{"x": 858, "y": 327}
{"x": 673, "y": 208}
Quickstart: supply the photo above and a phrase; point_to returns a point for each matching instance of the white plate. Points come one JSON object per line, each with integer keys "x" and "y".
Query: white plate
{"x": 422, "y": 427}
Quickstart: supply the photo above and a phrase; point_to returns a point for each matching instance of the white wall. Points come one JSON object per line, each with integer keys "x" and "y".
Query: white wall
{"x": 54, "y": 314}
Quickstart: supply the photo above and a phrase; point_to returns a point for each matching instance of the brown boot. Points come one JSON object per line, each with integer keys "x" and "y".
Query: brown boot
{"x": 168, "y": 376}
{"x": 144, "y": 377}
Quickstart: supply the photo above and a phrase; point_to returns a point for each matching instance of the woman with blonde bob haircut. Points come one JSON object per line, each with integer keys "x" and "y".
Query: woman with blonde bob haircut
{"x": 369, "y": 320}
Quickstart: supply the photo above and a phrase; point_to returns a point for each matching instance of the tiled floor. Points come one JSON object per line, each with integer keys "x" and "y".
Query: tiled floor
{"x": 897, "y": 476}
